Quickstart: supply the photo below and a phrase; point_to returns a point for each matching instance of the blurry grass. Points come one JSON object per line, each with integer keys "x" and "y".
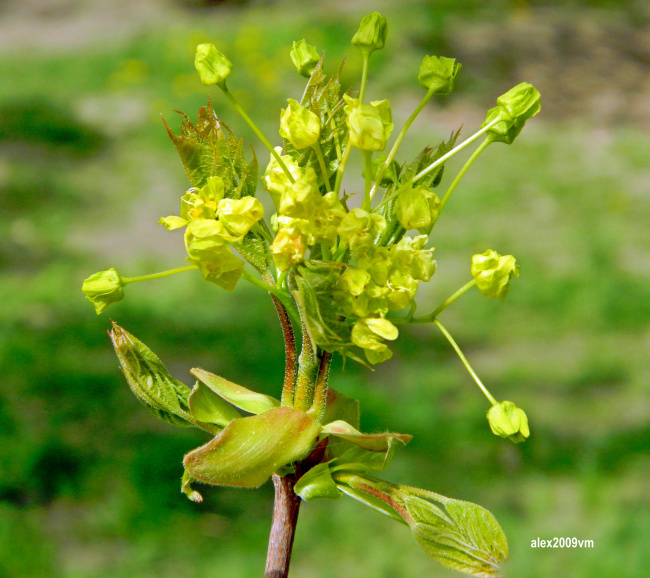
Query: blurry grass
{"x": 90, "y": 482}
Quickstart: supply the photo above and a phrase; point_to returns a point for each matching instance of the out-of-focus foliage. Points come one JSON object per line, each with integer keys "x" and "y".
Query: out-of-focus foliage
{"x": 85, "y": 473}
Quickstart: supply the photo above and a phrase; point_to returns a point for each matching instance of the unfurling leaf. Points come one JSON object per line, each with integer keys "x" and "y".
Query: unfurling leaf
{"x": 207, "y": 406}
{"x": 239, "y": 396}
{"x": 372, "y": 442}
{"x": 317, "y": 483}
{"x": 250, "y": 449}
{"x": 457, "y": 534}
{"x": 152, "y": 384}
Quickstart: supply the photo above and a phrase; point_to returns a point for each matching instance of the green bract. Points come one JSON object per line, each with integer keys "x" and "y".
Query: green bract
{"x": 304, "y": 57}
{"x": 103, "y": 288}
{"x": 493, "y": 273}
{"x": 438, "y": 74}
{"x": 369, "y": 125}
{"x": 371, "y": 34}
{"x": 212, "y": 65}
{"x": 513, "y": 109}
{"x": 508, "y": 421}
{"x": 299, "y": 125}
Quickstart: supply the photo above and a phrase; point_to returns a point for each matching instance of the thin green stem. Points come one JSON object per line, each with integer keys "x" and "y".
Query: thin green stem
{"x": 367, "y": 171}
{"x": 446, "y": 333}
{"x": 281, "y": 279}
{"x": 263, "y": 231}
{"x": 461, "y": 146}
{"x": 258, "y": 133}
{"x": 398, "y": 141}
{"x": 326, "y": 255}
{"x": 462, "y": 172}
{"x": 446, "y": 303}
{"x": 127, "y": 280}
{"x": 318, "y": 150}
{"x": 341, "y": 168}
{"x": 364, "y": 74}
{"x": 436, "y": 164}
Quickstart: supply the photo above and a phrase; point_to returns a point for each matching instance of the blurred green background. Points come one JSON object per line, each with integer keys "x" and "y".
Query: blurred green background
{"x": 89, "y": 481}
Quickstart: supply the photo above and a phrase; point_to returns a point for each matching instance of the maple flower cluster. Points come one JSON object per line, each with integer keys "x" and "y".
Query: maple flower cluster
{"x": 344, "y": 270}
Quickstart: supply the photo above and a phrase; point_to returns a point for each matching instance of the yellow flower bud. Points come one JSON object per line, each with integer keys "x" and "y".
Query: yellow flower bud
{"x": 417, "y": 208}
{"x": 288, "y": 248}
{"x": 220, "y": 267}
{"x": 369, "y": 125}
{"x": 493, "y": 273}
{"x": 275, "y": 180}
{"x": 359, "y": 228}
{"x": 371, "y": 34}
{"x": 212, "y": 65}
{"x": 513, "y": 109}
{"x": 438, "y": 74}
{"x": 239, "y": 216}
{"x": 508, "y": 421}
{"x": 103, "y": 289}
{"x": 299, "y": 125}
{"x": 304, "y": 57}
{"x": 368, "y": 334}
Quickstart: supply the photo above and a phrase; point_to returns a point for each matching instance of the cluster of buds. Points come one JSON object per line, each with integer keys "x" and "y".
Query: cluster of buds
{"x": 305, "y": 218}
{"x": 342, "y": 275}
{"x": 384, "y": 279}
{"x": 212, "y": 223}
{"x": 372, "y": 269}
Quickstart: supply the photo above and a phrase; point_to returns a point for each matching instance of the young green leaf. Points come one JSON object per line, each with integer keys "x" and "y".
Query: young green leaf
{"x": 209, "y": 148}
{"x": 459, "y": 535}
{"x": 207, "y": 406}
{"x": 250, "y": 449}
{"x": 239, "y": 396}
{"x": 371, "y": 442}
{"x": 317, "y": 483}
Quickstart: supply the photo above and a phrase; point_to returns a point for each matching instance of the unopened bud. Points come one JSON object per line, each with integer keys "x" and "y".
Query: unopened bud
{"x": 372, "y": 33}
{"x": 493, "y": 273}
{"x": 513, "y": 109}
{"x": 304, "y": 57}
{"x": 299, "y": 125}
{"x": 212, "y": 65}
{"x": 438, "y": 74}
{"x": 508, "y": 421}
{"x": 103, "y": 288}
{"x": 370, "y": 125}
